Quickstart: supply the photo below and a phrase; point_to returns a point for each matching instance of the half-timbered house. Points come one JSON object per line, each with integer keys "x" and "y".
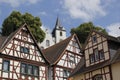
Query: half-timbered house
{"x": 63, "y": 58}
{"x": 101, "y": 59}
{"x": 21, "y": 58}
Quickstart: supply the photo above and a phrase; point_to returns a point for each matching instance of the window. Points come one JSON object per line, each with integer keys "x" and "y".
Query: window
{"x": 29, "y": 69}
{"x": 36, "y": 71}
{"x": 74, "y": 43}
{"x": 94, "y": 39}
{"x": 66, "y": 73}
{"x": 47, "y": 43}
{"x": 23, "y": 68}
{"x": 24, "y": 33}
{"x": 96, "y": 54}
{"x": 61, "y": 34}
{"x": 24, "y": 50}
{"x": 72, "y": 59}
{"x": 6, "y": 65}
{"x": 92, "y": 60}
{"x": 98, "y": 77}
{"x": 101, "y": 54}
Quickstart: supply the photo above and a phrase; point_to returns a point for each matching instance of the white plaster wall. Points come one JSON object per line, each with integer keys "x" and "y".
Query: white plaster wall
{"x": 58, "y": 37}
{"x": 48, "y": 37}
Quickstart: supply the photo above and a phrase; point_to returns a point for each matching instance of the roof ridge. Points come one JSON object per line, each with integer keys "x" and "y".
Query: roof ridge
{"x": 54, "y": 52}
{"x": 59, "y": 42}
{"x": 107, "y": 35}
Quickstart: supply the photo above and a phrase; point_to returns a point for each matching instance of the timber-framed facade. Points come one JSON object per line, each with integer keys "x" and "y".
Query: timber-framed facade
{"x": 101, "y": 58}
{"x": 21, "y": 58}
{"x": 63, "y": 57}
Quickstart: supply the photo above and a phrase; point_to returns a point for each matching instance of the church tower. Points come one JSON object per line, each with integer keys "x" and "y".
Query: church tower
{"x": 59, "y": 32}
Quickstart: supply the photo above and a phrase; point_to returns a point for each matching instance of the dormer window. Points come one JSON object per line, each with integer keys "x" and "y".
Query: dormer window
{"x": 24, "y": 49}
{"x": 94, "y": 39}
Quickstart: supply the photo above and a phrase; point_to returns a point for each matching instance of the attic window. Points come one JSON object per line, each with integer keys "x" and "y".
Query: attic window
{"x": 94, "y": 39}
{"x": 24, "y": 33}
{"x": 24, "y": 49}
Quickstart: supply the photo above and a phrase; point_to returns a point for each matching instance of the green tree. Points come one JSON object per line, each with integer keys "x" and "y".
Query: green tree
{"x": 83, "y": 30}
{"x": 16, "y": 19}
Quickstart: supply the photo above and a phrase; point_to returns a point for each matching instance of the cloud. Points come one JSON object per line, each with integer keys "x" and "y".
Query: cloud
{"x": 84, "y": 9}
{"x": 17, "y": 3}
{"x": 114, "y": 29}
{"x": 42, "y": 13}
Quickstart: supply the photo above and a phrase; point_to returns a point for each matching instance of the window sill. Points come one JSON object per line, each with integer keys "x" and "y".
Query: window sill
{"x": 29, "y": 75}
{"x": 6, "y": 71}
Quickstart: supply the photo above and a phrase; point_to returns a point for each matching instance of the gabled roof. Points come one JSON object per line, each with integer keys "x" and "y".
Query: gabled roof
{"x": 55, "y": 52}
{"x": 4, "y": 41}
{"x": 109, "y": 37}
{"x": 7, "y": 39}
{"x": 81, "y": 68}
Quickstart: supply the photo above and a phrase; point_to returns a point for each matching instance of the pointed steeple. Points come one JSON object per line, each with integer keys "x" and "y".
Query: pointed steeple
{"x": 59, "y": 32}
{"x": 58, "y": 24}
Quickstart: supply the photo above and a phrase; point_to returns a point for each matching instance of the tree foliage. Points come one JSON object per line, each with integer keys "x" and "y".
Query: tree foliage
{"x": 83, "y": 30}
{"x": 16, "y": 19}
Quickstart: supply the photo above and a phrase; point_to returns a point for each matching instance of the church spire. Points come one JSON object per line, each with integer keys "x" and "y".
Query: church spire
{"x": 58, "y": 29}
{"x": 58, "y": 24}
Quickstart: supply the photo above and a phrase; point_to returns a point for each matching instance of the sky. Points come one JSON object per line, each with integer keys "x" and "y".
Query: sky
{"x": 72, "y": 13}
